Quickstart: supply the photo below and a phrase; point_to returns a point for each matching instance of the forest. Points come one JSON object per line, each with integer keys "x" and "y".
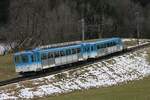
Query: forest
{"x": 31, "y": 23}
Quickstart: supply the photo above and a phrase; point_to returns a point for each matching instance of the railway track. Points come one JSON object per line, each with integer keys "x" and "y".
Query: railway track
{"x": 71, "y": 66}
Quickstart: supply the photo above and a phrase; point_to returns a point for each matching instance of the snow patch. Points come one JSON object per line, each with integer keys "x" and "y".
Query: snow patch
{"x": 102, "y": 74}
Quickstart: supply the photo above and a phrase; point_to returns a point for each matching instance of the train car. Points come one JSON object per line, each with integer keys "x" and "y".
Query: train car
{"x": 27, "y": 61}
{"x": 60, "y": 56}
{"x": 105, "y": 47}
{"x": 39, "y": 59}
{"x": 101, "y": 47}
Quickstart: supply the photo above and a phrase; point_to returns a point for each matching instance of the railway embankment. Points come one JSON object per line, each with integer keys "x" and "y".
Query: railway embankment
{"x": 115, "y": 71}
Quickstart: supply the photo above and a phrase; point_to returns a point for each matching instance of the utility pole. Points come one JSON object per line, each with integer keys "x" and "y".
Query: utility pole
{"x": 138, "y": 27}
{"x": 83, "y": 29}
{"x": 83, "y": 21}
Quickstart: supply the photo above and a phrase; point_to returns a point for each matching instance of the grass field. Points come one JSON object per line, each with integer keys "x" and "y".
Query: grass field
{"x": 7, "y": 68}
{"x": 135, "y": 90}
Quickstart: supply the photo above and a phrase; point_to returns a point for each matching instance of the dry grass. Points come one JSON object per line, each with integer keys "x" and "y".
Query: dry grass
{"x": 135, "y": 90}
{"x": 130, "y": 43}
{"x": 7, "y": 68}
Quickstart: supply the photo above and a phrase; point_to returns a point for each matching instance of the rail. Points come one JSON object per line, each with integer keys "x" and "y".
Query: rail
{"x": 73, "y": 66}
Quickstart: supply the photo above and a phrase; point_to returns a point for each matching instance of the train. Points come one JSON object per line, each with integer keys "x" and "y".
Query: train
{"x": 43, "y": 58}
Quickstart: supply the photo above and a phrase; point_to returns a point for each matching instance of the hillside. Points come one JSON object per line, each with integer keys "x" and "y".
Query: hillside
{"x": 111, "y": 72}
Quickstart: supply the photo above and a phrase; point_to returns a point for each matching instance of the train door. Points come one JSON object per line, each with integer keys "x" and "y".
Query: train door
{"x": 51, "y": 59}
{"x": 34, "y": 59}
{"x": 44, "y": 60}
{"x": 79, "y": 54}
{"x": 93, "y": 52}
{"x": 23, "y": 63}
{"x": 86, "y": 51}
{"x": 68, "y": 55}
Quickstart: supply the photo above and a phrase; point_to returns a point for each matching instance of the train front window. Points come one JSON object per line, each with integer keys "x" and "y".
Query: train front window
{"x": 25, "y": 59}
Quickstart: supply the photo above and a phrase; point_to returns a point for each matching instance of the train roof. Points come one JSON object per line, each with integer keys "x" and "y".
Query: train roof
{"x": 60, "y": 48}
{"x": 46, "y": 50}
{"x": 23, "y": 52}
{"x": 104, "y": 40}
{"x": 58, "y": 45}
{"x": 71, "y": 45}
{"x": 79, "y": 45}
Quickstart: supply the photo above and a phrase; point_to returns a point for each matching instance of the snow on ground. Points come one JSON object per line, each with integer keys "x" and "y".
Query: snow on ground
{"x": 110, "y": 72}
{"x": 133, "y": 39}
{"x": 5, "y": 47}
{"x": 2, "y": 49}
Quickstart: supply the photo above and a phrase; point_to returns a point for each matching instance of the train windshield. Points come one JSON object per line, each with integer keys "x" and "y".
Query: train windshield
{"x": 24, "y": 58}
{"x": 21, "y": 59}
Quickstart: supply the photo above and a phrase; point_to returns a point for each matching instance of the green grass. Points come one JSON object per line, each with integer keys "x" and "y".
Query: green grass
{"x": 135, "y": 90}
{"x": 7, "y": 68}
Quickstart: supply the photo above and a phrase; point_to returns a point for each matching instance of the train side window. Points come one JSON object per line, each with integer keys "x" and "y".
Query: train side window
{"x": 73, "y": 51}
{"x": 105, "y": 45}
{"x": 50, "y": 55}
{"x": 56, "y": 54}
{"x": 88, "y": 49}
{"x": 102, "y": 46}
{"x": 78, "y": 50}
{"x": 114, "y": 43}
{"x": 59, "y": 53}
{"x": 98, "y": 46}
{"x": 62, "y": 53}
{"x": 68, "y": 52}
{"x": 92, "y": 48}
{"x": 108, "y": 44}
{"x": 85, "y": 49}
{"x": 38, "y": 59}
{"x": 111, "y": 43}
{"x": 44, "y": 56}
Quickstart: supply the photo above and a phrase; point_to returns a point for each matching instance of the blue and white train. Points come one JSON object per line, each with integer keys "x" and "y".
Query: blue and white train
{"x": 39, "y": 59}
